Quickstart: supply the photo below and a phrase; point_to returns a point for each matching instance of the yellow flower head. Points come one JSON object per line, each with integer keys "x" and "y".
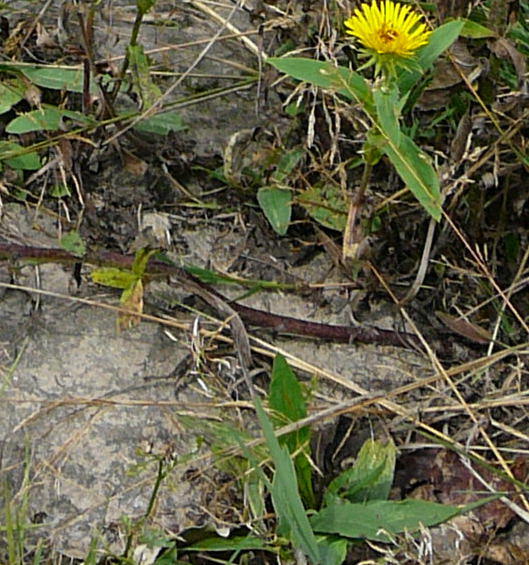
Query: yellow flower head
{"x": 388, "y": 28}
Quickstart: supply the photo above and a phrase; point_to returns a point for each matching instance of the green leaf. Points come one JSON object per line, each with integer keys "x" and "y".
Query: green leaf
{"x": 236, "y": 543}
{"x": 333, "y": 549}
{"x": 169, "y": 557}
{"x": 77, "y": 116}
{"x": 287, "y": 163}
{"x": 36, "y": 120}
{"x": 414, "y": 168}
{"x": 326, "y": 204}
{"x": 113, "y": 277}
{"x": 255, "y": 496}
{"x": 440, "y": 40}
{"x": 473, "y": 30}
{"x": 295, "y": 109}
{"x": 55, "y": 78}
{"x": 162, "y": 124}
{"x": 370, "y": 520}
{"x": 19, "y": 157}
{"x": 387, "y": 104}
{"x": 346, "y": 82}
{"x": 276, "y": 204}
{"x": 376, "y": 460}
{"x": 370, "y": 478}
{"x": 73, "y": 242}
{"x": 293, "y": 521}
{"x": 210, "y": 277}
{"x": 141, "y": 76}
{"x": 286, "y": 399}
{"x": 373, "y": 147}
{"x": 48, "y": 118}
{"x": 11, "y": 92}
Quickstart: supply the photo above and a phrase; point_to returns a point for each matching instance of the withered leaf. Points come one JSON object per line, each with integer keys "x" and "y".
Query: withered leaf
{"x": 465, "y": 328}
{"x": 132, "y": 300}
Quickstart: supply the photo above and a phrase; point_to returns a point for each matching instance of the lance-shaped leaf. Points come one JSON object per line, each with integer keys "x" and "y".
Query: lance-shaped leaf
{"x": 293, "y": 521}
{"x": 387, "y": 106}
{"x": 286, "y": 399}
{"x": 440, "y": 40}
{"x": 378, "y": 520}
{"x": 342, "y": 80}
{"x": 414, "y": 168}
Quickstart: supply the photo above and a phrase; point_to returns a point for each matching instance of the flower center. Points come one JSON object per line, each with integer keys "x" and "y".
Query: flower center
{"x": 387, "y": 34}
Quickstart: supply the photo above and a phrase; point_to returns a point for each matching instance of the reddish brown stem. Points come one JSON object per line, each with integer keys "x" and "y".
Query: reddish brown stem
{"x": 251, "y": 316}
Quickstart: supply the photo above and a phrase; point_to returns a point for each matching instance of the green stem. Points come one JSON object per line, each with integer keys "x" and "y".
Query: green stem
{"x": 160, "y": 476}
{"x": 132, "y": 43}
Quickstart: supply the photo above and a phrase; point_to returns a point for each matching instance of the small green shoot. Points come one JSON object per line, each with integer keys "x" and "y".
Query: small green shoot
{"x": 370, "y": 478}
{"x": 131, "y": 282}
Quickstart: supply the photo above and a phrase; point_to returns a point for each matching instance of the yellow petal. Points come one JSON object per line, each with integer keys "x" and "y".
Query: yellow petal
{"x": 388, "y": 27}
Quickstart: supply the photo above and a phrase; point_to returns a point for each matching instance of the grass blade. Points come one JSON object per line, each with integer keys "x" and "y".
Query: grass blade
{"x": 292, "y": 518}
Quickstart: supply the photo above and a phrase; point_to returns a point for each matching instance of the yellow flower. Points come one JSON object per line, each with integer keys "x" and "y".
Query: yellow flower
{"x": 388, "y": 28}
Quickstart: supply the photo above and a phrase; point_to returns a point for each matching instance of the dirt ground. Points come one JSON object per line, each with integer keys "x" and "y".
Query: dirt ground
{"x": 89, "y": 411}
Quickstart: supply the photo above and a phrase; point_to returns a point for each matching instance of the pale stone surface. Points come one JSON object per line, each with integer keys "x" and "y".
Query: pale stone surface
{"x": 81, "y": 452}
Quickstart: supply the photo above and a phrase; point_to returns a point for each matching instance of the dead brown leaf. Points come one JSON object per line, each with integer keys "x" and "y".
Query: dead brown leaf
{"x": 502, "y": 48}
{"x": 134, "y": 164}
{"x": 465, "y": 328}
